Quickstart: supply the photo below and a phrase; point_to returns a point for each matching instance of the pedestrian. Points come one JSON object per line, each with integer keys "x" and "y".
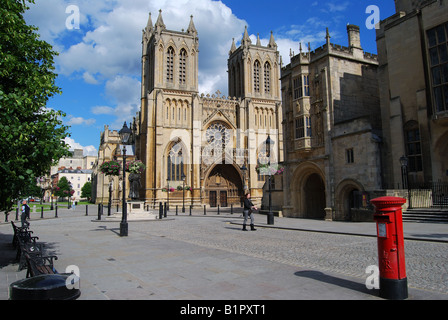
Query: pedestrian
{"x": 73, "y": 204}
{"x": 248, "y": 208}
{"x": 25, "y": 214}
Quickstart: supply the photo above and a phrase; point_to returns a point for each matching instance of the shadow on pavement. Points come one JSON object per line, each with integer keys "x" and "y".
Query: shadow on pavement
{"x": 352, "y": 285}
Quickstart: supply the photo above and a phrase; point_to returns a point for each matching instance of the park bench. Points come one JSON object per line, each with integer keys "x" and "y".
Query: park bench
{"x": 26, "y": 243}
{"x": 30, "y": 254}
{"x": 38, "y": 265}
{"x": 17, "y": 231}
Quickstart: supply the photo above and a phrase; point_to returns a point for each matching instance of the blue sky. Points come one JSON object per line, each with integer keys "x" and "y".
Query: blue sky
{"x": 99, "y": 60}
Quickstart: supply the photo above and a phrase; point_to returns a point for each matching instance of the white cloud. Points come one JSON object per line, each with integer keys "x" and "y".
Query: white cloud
{"x": 88, "y": 151}
{"x": 77, "y": 121}
{"x": 102, "y": 110}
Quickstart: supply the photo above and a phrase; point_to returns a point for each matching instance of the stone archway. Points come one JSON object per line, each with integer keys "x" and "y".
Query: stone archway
{"x": 308, "y": 192}
{"x": 223, "y": 186}
{"x": 345, "y": 199}
{"x": 314, "y": 190}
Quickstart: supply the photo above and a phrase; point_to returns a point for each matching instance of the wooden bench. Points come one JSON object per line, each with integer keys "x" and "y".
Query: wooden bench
{"x": 17, "y": 231}
{"x": 38, "y": 264}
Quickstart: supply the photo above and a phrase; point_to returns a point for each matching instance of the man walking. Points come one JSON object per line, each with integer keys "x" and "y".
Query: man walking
{"x": 25, "y": 214}
{"x": 248, "y": 207}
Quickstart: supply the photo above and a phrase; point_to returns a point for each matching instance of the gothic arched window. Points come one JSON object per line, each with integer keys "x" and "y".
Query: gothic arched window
{"x": 175, "y": 163}
{"x": 257, "y": 71}
{"x": 170, "y": 65}
{"x": 267, "y": 78}
{"x": 183, "y": 67}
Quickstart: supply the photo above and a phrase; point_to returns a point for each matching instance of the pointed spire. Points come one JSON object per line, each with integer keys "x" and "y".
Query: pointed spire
{"x": 233, "y": 48}
{"x": 159, "y": 24}
{"x": 258, "y": 40}
{"x": 272, "y": 43}
{"x": 327, "y": 37}
{"x": 149, "y": 24}
{"x": 191, "y": 28}
{"x": 246, "y": 39}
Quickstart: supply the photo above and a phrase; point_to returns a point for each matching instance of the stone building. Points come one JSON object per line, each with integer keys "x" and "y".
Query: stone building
{"x": 413, "y": 78}
{"x": 331, "y": 130}
{"x": 197, "y": 144}
{"x": 110, "y": 149}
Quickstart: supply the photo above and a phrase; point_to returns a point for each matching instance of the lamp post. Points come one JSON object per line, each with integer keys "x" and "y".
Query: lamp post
{"x": 183, "y": 193}
{"x": 111, "y": 180}
{"x": 269, "y": 142}
{"x": 168, "y": 194}
{"x": 405, "y": 177}
{"x": 244, "y": 170}
{"x": 125, "y": 134}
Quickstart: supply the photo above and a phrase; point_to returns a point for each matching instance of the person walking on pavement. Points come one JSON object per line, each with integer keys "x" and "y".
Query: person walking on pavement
{"x": 25, "y": 214}
{"x": 248, "y": 208}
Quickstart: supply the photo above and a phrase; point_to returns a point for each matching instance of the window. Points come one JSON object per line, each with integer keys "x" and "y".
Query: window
{"x": 303, "y": 127}
{"x": 183, "y": 67}
{"x": 297, "y": 88}
{"x": 414, "y": 149}
{"x": 306, "y": 86}
{"x": 349, "y": 156}
{"x": 267, "y": 78}
{"x": 301, "y": 87}
{"x": 299, "y": 128}
{"x": 257, "y": 71}
{"x": 175, "y": 163}
{"x": 170, "y": 65}
{"x": 438, "y": 60}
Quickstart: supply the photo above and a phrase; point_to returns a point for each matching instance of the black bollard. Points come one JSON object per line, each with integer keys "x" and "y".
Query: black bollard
{"x": 87, "y": 209}
{"x": 165, "y": 211}
{"x": 231, "y": 209}
{"x": 176, "y": 210}
{"x": 17, "y": 214}
{"x": 205, "y": 212}
{"x": 56, "y": 211}
{"x": 218, "y": 209}
{"x": 190, "y": 210}
{"x": 160, "y": 211}
{"x": 41, "y": 212}
{"x": 99, "y": 211}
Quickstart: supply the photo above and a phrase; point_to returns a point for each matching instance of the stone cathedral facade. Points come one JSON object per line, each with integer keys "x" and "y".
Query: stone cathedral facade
{"x": 197, "y": 145}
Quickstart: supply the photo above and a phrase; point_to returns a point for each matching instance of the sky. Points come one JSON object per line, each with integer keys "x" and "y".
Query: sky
{"x": 99, "y": 46}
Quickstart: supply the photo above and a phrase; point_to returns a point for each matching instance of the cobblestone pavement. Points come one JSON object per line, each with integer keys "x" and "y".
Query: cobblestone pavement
{"x": 349, "y": 255}
{"x": 201, "y": 257}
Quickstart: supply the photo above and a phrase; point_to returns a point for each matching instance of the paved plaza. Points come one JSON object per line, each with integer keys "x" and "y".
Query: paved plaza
{"x": 208, "y": 257}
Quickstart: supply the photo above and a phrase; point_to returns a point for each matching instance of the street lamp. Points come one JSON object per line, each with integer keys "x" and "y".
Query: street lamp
{"x": 244, "y": 170}
{"x": 270, "y": 142}
{"x": 125, "y": 134}
{"x": 405, "y": 177}
{"x": 168, "y": 194}
{"x": 183, "y": 193}
{"x": 404, "y": 171}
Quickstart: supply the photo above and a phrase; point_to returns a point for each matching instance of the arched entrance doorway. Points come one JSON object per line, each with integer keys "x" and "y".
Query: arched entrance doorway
{"x": 347, "y": 197}
{"x": 223, "y": 186}
{"x": 314, "y": 191}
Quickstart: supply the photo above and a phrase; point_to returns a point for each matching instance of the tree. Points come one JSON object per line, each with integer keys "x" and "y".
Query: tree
{"x": 31, "y": 136}
{"x": 86, "y": 190}
{"x": 64, "y": 188}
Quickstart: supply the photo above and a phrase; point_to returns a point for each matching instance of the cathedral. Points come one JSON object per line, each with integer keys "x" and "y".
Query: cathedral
{"x": 206, "y": 149}
{"x": 330, "y": 130}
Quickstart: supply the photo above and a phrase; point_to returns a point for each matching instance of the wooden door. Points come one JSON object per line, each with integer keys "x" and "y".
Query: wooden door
{"x": 213, "y": 198}
{"x": 223, "y": 198}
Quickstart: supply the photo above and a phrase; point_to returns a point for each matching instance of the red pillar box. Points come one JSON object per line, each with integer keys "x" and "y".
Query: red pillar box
{"x": 389, "y": 225}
